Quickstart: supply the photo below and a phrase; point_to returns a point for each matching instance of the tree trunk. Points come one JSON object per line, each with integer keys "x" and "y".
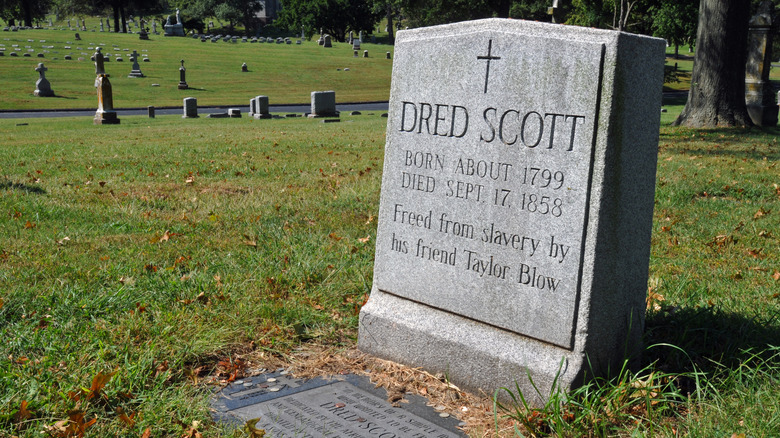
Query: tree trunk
{"x": 122, "y": 17}
{"x": 390, "y": 22}
{"x": 27, "y": 12}
{"x": 717, "y": 95}
{"x": 116, "y": 18}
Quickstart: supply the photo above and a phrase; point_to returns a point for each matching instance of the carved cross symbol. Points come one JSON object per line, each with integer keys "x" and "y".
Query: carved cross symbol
{"x": 489, "y": 57}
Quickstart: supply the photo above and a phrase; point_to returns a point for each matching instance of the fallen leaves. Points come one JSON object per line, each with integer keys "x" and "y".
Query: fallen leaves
{"x": 251, "y": 429}
{"x": 761, "y": 213}
{"x": 95, "y": 390}
{"x": 74, "y": 426}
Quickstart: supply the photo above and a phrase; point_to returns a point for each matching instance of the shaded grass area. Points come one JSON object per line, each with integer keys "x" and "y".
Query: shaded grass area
{"x": 171, "y": 248}
{"x": 712, "y": 365}
{"x": 169, "y": 252}
{"x": 287, "y": 73}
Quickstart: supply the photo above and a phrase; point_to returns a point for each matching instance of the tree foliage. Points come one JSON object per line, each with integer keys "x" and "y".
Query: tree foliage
{"x": 676, "y": 20}
{"x": 334, "y": 17}
{"x": 24, "y": 11}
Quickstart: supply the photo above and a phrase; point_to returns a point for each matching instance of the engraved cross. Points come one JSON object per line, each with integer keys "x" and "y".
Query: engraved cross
{"x": 489, "y": 57}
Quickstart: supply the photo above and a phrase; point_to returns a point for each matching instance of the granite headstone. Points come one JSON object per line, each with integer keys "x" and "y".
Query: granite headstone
{"x": 516, "y": 205}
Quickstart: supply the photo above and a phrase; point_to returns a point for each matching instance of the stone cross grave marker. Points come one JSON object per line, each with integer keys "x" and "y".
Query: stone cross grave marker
{"x": 516, "y": 204}
{"x": 42, "y": 85}
{"x": 136, "y": 71}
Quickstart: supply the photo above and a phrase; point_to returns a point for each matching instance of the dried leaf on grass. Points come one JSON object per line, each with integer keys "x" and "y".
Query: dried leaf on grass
{"x": 251, "y": 429}
{"x": 22, "y": 414}
{"x": 95, "y": 390}
{"x": 74, "y": 426}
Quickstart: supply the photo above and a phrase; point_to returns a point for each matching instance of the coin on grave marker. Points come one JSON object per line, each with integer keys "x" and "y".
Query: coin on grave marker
{"x": 271, "y": 379}
{"x": 274, "y": 389}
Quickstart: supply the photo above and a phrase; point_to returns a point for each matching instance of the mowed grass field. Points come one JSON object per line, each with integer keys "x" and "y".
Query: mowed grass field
{"x": 287, "y": 73}
{"x": 141, "y": 263}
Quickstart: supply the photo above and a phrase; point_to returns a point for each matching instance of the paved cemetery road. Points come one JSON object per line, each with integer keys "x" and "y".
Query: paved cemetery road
{"x": 274, "y": 109}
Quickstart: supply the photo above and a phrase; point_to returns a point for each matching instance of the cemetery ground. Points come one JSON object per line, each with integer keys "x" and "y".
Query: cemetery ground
{"x": 145, "y": 264}
{"x": 287, "y": 73}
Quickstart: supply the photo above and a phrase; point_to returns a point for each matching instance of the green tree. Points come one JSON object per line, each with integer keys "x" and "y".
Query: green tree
{"x": 675, "y": 21}
{"x": 25, "y": 11}
{"x": 334, "y": 17}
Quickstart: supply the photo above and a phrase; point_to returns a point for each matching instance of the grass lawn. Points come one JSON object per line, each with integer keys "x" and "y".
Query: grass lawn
{"x": 182, "y": 252}
{"x": 285, "y": 73}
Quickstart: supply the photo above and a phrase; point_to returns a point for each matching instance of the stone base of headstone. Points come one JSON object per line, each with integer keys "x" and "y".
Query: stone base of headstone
{"x": 183, "y": 86}
{"x": 106, "y": 118}
{"x": 261, "y": 116}
{"x": 136, "y": 74}
{"x": 174, "y": 30}
{"x": 43, "y": 88}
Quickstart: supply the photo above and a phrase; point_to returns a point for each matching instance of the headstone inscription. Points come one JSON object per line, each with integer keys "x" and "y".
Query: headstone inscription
{"x": 42, "y": 85}
{"x": 759, "y": 92}
{"x": 105, "y": 114}
{"x": 516, "y": 204}
{"x": 345, "y": 406}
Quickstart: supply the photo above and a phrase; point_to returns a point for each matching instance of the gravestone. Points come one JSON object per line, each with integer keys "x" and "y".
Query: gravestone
{"x": 234, "y": 113}
{"x": 102, "y": 29}
{"x": 260, "y": 106}
{"x": 244, "y": 68}
{"x": 190, "y": 108}
{"x": 327, "y": 42}
{"x": 516, "y": 206}
{"x": 342, "y": 406}
{"x": 78, "y": 37}
{"x": 387, "y": 55}
{"x": 42, "y": 85}
{"x": 136, "y": 71}
{"x": 182, "y": 77}
{"x": 323, "y": 104}
{"x": 365, "y": 53}
{"x": 174, "y": 29}
{"x": 759, "y": 92}
{"x": 105, "y": 114}
{"x": 150, "y": 111}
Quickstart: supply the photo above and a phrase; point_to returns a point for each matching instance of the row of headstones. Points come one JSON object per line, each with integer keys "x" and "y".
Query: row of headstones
{"x": 235, "y": 39}
{"x": 43, "y": 86}
{"x": 323, "y": 104}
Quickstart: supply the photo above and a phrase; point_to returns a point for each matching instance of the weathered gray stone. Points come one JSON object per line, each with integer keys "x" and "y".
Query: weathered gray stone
{"x": 260, "y": 105}
{"x": 234, "y": 113}
{"x": 190, "y": 108}
{"x": 136, "y": 70}
{"x": 323, "y": 104}
{"x": 516, "y": 205}
{"x": 42, "y": 85}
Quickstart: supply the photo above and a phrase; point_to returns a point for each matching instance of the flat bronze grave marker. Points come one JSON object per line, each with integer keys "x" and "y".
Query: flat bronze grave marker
{"x": 347, "y": 406}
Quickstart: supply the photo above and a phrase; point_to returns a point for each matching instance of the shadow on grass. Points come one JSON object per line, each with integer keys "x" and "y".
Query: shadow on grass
{"x": 752, "y": 143}
{"x": 63, "y": 97}
{"x": 22, "y": 187}
{"x": 710, "y": 339}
